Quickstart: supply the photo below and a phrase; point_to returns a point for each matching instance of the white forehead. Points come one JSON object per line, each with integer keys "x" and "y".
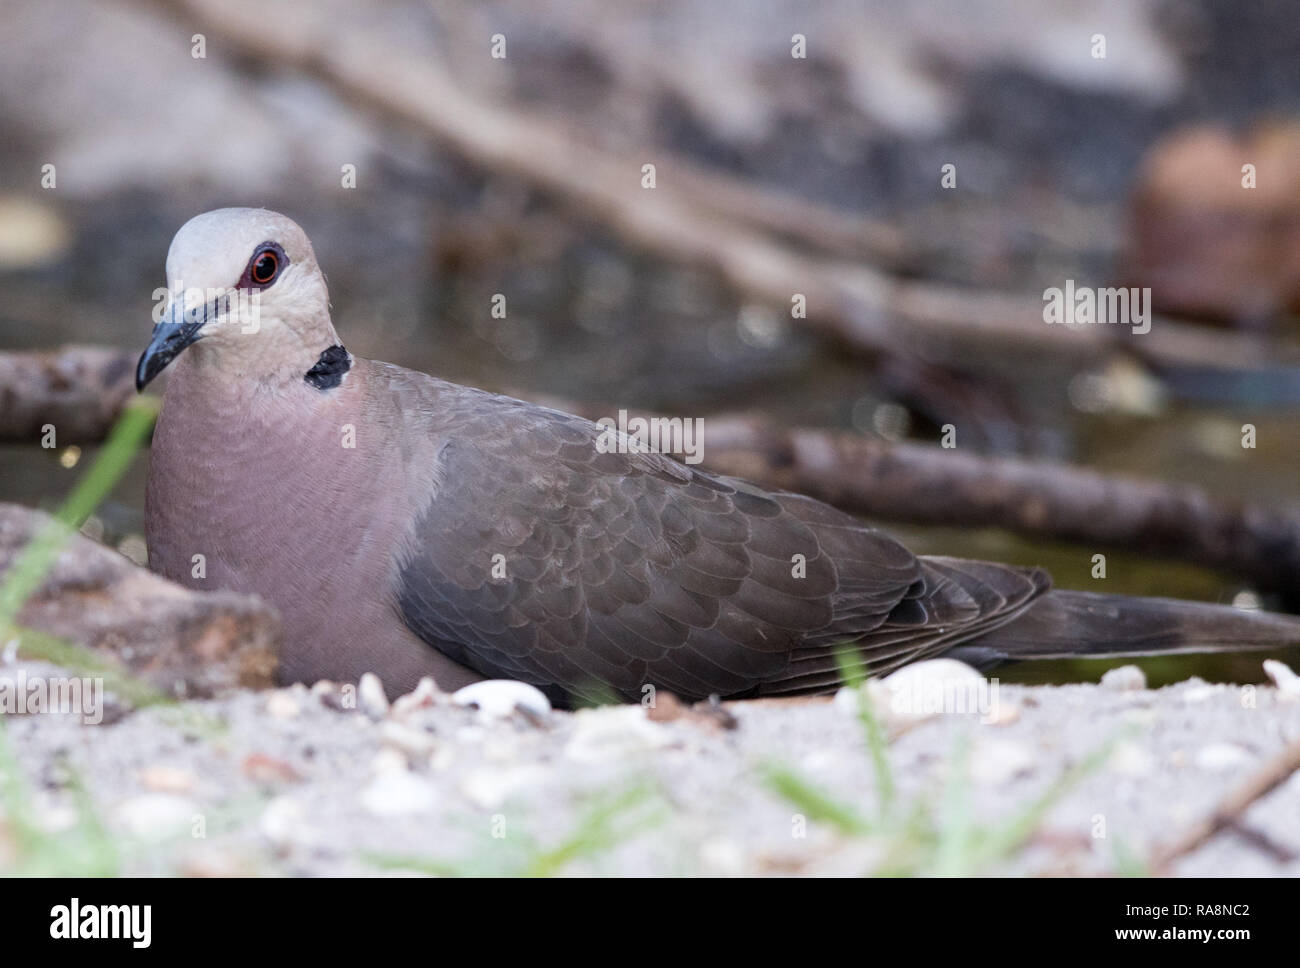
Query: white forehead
{"x": 212, "y": 249}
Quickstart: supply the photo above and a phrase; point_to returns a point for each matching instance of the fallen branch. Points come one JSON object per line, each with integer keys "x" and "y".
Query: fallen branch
{"x": 859, "y": 305}
{"x": 1230, "y": 809}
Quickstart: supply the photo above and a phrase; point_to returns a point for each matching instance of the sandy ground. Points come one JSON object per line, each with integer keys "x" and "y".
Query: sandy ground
{"x": 293, "y": 782}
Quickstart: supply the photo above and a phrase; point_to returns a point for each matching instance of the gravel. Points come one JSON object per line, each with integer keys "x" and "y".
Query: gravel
{"x": 301, "y": 781}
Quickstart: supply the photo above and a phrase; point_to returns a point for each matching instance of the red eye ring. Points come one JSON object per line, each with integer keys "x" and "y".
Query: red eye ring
{"x": 264, "y": 267}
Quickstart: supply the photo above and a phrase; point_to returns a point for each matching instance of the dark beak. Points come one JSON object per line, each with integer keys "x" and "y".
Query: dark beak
{"x": 179, "y": 328}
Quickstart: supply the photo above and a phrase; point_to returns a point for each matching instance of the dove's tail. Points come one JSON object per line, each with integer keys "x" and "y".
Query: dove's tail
{"x": 1067, "y": 624}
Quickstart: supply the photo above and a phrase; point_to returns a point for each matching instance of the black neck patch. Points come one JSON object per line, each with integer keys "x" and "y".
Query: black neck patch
{"x": 329, "y": 369}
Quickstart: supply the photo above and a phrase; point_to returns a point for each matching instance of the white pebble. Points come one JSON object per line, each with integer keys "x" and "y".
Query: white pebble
{"x": 1198, "y": 690}
{"x": 167, "y": 779}
{"x": 1125, "y": 678}
{"x": 847, "y": 700}
{"x": 398, "y": 793}
{"x": 1287, "y": 682}
{"x": 995, "y": 761}
{"x": 370, "y": 696}
{"x": 613, "y": 732}
{"x": 283, "y": 822}
{"x": 932, "y": 687}
{"x": 156, "y": 816}
{"x": 425, "y": 693}
{"x": 724, "y": 857}
{"x": 1219, "y": 757}
{"x": 490, "y": 787}
{"x": 498, "y": 698}
{"x": 283, "y": 705}
{"x": 411, "y": 741}
{"x": 1130, "y": 759}
{"x": 388, "y": 761}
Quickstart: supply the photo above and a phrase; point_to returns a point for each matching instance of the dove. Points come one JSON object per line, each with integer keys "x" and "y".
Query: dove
{"x": 406, "y": 526}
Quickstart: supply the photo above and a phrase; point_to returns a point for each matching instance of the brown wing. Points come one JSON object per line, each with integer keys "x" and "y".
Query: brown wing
{"x": 542, "y": 559}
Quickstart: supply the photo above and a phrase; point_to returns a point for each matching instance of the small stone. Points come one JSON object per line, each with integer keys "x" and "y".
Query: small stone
{"x": 1125, "y": 678}
{"x": 334, "y": 696}
{"x": 282, "y": 705}
{"x": 1221, "y": 757}
{"x": 398, "y": 793}
{"x": 995, "y": 761}
{"x": 824, "y": 761}
{"x": 388, "y": 760}
{"x": 426, "y": 693}
{"x": 490, "y": 787}
{"x": 1198, "y": 690}
{"x": 1130, "y": 759}
{"x": 500, "y": 748}
{"x": 205, "y": 861}
{"x": 723, "y": 857}
{"x": 284, "y": 823}
{"x": 1002, "y": 714}
{"x": 167, "y": 779}
{"x": 932, "y": 687}
{"x": 269, "y": 770}
{"x": 409, "y": 740}
{"x": 156, "y": 816}
{"x": 57, "y": 816}
{"x": 613, "y": 732}
{"x": 1287, "y": 682}
{"x": 666, "y": 708}
{"x": 371, "y": 697}
{"x": 501, "y": 698}
{"x": 711, "y": 712}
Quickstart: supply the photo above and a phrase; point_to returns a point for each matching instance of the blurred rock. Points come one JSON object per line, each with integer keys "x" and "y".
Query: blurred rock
{"x": 183, "y": 643}
{"x": 1206, "y": 244}
{"x": 31, "y": 234}
{"x": 78, "y": 390}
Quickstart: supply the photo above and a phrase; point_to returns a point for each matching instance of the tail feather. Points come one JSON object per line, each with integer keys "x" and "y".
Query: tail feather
{"x": 1068, "y": 624}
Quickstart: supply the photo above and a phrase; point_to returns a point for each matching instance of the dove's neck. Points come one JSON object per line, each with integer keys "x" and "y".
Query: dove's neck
{"x": 281, "y": 489}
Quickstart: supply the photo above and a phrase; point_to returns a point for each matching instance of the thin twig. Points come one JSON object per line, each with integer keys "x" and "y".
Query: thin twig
{"x": 1230, "y": 809}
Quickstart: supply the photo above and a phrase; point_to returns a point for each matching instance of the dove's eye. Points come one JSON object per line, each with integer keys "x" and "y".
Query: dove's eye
{"x": 265, "y": 266}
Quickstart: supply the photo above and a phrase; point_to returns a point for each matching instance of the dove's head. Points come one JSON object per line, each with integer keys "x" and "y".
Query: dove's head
{"x": 244, "y": 290}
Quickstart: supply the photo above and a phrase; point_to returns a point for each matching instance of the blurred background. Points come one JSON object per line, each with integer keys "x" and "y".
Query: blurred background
{"x": 1096, "y": 141}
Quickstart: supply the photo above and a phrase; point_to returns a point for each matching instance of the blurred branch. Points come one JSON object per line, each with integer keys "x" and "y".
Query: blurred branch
{"x": 703, "y": 220}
